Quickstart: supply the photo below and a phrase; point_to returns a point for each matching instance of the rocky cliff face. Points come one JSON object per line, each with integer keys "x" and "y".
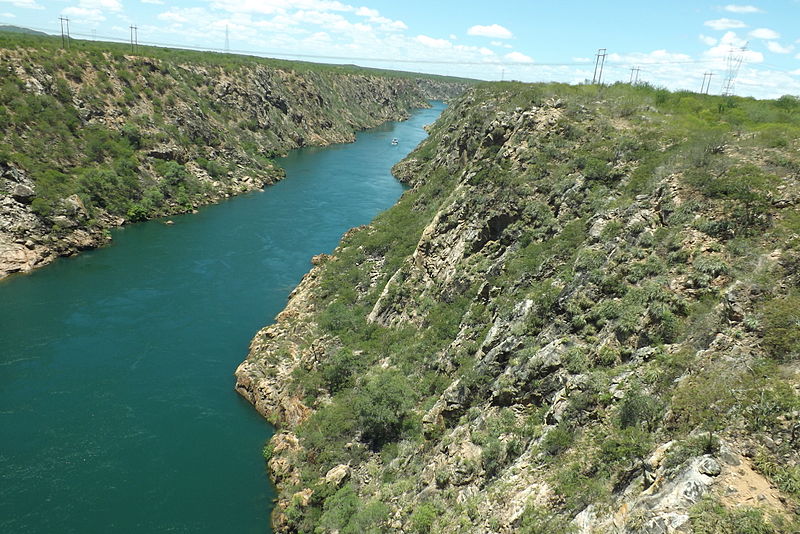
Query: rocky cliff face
{"x": 581, "y": 318}
{"x": 93, "y": 139}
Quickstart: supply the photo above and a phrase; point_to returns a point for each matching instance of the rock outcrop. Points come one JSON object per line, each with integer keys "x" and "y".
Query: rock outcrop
{"x": 579, "y": 318}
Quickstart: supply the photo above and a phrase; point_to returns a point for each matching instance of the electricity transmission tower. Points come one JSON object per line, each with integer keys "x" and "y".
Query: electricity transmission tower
{"x": 706, "y": 85}
{"x": 735, "y": 58}
{"x": 600, "y": 60}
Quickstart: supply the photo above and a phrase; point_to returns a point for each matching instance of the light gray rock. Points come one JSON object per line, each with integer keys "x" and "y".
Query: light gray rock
{"x": 22, "y": 192}
{"x": 337, "y": 475}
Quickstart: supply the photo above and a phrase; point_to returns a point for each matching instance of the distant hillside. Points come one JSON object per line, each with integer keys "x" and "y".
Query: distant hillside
{"x": 18, "y": 29}
{"x": 93, "y": 136}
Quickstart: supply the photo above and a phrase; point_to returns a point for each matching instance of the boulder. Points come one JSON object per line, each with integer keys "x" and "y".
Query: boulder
{"x": 337, "y": 475}
{"x": 22, "y": 193}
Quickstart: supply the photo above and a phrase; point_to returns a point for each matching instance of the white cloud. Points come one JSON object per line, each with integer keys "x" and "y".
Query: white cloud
{"x": 500, "y": 44}
{"x": 269, "y": 7}
{"x": 518, "y": 57}
{"x": 374, "y": 16}
{"x": 495, "y": 31}
{"x": 733, "y": 8}
{"x": 432, "y": 42}
{"x": 157, "y": 2}
{"x": 764, "y": 33}
{"x": 708, "y": 41}
{"x": 367, "y": 12}
{"x": 776, "y": 47}
{"x": 111, "y": 5}
{"x": 485, "y": 51}
{"x": 28, "y": 4}
{"x": 724, "y": 24}
{"x": 795, "y": 72}
{"x": 320, "y": 37}
{"x": 656, "y": 56}
{"x": 181, "y": 15}
{"x": 453, "y": 37}
{"x": 8, "y": 15}
{"x": 84, "y": 15}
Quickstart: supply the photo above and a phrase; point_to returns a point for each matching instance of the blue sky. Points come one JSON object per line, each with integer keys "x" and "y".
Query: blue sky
{"x": 672, "y": 43}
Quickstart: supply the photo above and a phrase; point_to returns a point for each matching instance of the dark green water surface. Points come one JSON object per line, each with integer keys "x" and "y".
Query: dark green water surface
{"x": 117, "y": 408}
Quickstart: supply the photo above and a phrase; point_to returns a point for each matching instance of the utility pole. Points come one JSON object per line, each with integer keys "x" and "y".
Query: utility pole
{"x": 64, "y": 35}
{"x": 227, "y": 42}
{"x": 634, "y": 75}
{"x": 600, "y": 60}
{"x": 735, "y": 58}
{"x": 134, "y": 39}
{"x": 706, "y": 85}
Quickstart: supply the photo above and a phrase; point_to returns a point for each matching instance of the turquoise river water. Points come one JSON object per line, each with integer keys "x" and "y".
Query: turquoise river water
{"x": 117, "y": 408}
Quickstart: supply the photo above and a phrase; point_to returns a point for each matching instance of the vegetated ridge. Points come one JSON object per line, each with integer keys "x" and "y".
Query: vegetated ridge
{"x": 10, "y": 28}
{"x": 94, "y": 136}
{"x": 584, "y": 316}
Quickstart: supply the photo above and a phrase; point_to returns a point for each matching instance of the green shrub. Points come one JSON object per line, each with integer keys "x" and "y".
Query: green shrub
{"x": 340, "y": 368}
{"x": 557, "y": 440}
{"x": 627, "y": 448}
{"x": 423, "y": 518}
{"x": 42, "y": 207}
{"x": 371, "y": 519}
{"x": 340, "y": 508}
{"x": 214, "y": 169}
{"x": 709, "y": 516}
{"x": 109, "y": 190}
{"x": 383, "y": 406}
{"x": 493, "y": 456}
{"x": 786, "y": 477}
{"x": 536, "y": 520}
{"x": 706, "y": 443}
{"x": 781, "y": 323}
{"x": 640, "y": 410}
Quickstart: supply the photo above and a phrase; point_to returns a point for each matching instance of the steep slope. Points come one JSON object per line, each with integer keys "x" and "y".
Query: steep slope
{"x": 582, "y": 317}
{"x": 93, "y": 138}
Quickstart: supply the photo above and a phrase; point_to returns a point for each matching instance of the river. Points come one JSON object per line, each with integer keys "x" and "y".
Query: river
{"x": 117, "y": 408}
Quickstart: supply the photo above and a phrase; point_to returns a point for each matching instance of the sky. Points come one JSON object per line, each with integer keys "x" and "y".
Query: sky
{"x": 673, "y": 44}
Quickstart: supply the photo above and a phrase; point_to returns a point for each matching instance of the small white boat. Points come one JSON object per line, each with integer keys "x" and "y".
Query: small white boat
{"x": 395, "y": 141}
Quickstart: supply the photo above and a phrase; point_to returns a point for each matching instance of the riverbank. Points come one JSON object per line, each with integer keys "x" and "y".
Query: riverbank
{"x": 96, "y": 138}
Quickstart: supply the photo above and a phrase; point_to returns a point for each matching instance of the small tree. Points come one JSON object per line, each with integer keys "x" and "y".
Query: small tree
{"x": 382, "y": 407}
